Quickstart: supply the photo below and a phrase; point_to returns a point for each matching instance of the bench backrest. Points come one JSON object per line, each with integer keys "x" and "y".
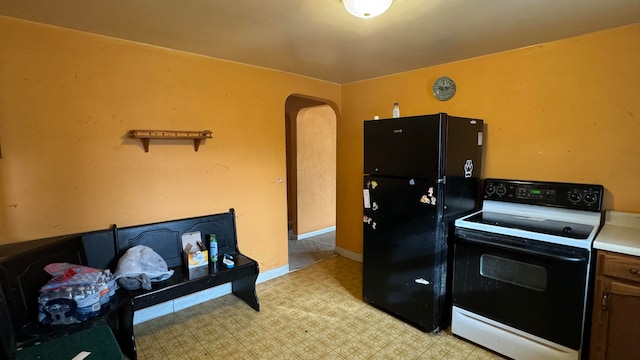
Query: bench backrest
{"x": 165, "y": 238}
{"x": 22, "y": 272}
{"x": 100, "y": 248}
{"x": 7, "y": 335}
{"x": 22, "y": 264}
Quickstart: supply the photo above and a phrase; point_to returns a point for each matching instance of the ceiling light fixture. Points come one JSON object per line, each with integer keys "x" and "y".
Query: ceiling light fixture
{"x": 366, "y": 9}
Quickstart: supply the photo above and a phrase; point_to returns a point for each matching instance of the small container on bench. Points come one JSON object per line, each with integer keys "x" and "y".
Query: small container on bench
{"x": 196, "y": 259}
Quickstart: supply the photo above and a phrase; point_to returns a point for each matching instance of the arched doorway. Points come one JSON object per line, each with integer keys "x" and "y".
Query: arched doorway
{"x": 311, "y": 180}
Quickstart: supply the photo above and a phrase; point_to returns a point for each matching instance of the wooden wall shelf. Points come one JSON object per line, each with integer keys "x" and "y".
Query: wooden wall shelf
{"x": 146, "y": 135}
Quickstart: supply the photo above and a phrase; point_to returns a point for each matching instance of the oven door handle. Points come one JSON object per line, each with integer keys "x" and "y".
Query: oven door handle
{"x": 523, "y": 250}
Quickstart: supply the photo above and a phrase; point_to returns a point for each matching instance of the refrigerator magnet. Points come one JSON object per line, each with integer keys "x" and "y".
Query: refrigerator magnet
{"x": 367, "y": 198}
{"x": 369, "y": 221}
{"x": 468, "y": 168}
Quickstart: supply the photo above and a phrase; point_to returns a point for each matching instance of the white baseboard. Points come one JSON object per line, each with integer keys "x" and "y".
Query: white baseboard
{"x": 186, "y": 301}
{"x": 152, "y": 312}
{"x": 316, "y": 233}
{"x": 349, "y": 254}
{"x": 272, "y": 274}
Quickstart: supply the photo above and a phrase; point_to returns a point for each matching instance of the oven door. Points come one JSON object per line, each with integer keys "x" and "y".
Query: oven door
{"x": 536, "y": 287}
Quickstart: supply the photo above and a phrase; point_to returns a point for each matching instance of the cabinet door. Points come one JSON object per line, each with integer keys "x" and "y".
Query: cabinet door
{"x": 616, "y": 321}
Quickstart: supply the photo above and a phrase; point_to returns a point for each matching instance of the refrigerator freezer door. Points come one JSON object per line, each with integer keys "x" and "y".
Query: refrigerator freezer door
{"x": 404, "y": 147}
{"x": 462, "y": 166}
{"x": 403, "y": 249}
{"x": 464, "y": 147}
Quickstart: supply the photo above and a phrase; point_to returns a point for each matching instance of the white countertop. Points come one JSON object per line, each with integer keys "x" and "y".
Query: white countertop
{"x": 620, "y": 233}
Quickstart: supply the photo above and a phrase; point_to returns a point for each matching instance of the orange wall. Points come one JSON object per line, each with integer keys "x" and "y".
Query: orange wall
{"x": 561, "y": 111}
{"x": 293, "y": 105}
{"x": 67, "y": 101}
{"x": 316, "y": 168}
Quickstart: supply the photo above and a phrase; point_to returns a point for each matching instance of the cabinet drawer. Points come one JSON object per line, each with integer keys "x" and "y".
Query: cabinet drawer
{"x": 621, "y": 266}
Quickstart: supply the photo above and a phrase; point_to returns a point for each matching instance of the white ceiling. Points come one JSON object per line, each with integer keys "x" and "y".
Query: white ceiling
{"x": 319, "y": 39}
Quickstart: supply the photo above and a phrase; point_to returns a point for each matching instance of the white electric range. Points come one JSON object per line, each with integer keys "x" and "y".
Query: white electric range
{"x": 522, "y": 268}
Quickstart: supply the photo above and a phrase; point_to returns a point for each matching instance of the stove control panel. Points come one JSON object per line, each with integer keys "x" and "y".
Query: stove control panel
{"x": 563, "y": 195}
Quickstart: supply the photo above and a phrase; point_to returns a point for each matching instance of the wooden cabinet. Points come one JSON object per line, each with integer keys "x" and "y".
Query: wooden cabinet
{"x": 615, "y": 328}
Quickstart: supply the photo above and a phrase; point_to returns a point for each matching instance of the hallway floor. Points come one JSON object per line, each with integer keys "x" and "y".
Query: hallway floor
{"x": 316, "y": 312}
{"x": 309, "y": 251}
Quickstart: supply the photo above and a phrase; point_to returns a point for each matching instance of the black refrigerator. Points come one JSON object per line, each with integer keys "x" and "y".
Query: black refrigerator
{"x": 421, "y": 173}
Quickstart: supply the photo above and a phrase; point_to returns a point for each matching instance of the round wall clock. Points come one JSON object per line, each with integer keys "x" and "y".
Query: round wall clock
{"x": 444, "y": 88}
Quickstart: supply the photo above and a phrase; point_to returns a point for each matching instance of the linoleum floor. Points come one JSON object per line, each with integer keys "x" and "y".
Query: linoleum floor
{"x": 305, "y": 252}
{"x": 316, "y": 312}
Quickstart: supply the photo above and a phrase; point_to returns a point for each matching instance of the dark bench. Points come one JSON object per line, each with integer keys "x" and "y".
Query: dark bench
{"x": 22, "y": 275}
{"x": 165, "y": 238}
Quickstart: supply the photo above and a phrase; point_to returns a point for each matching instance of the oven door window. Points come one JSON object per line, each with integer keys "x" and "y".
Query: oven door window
{"x": 535, "y": 287}
{"x": 533, "y": 277}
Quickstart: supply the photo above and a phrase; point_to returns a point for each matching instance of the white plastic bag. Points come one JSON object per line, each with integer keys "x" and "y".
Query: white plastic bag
{"x": 139, "y": 266}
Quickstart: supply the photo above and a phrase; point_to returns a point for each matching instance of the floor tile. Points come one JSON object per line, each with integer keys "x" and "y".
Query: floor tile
{"x": 316, "y": 312}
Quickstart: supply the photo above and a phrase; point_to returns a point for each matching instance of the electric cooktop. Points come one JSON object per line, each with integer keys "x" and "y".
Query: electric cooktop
{"x": 537, "y": 225}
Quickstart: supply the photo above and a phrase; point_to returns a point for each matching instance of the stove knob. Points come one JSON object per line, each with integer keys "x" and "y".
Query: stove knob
{"x": 490, "y": 189}
{"x": 501, "y": 190}
{"x": 590, "y": 198}
{"x": 567, "y": 230}
{"x": 575, "y": 197}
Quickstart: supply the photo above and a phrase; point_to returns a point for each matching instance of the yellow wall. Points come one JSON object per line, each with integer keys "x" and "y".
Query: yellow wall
{"x": 561, "y": 111}
{"x": 293, "y": 105}
{"x": 316, "y": 169}
{"x": 67, "y": 101}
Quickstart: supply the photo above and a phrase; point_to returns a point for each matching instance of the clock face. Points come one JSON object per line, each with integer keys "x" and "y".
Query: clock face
{"x": 444, "y": 88}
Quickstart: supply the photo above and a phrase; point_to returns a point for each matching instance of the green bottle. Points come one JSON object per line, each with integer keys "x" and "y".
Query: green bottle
{"x": 213, "y": 249}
